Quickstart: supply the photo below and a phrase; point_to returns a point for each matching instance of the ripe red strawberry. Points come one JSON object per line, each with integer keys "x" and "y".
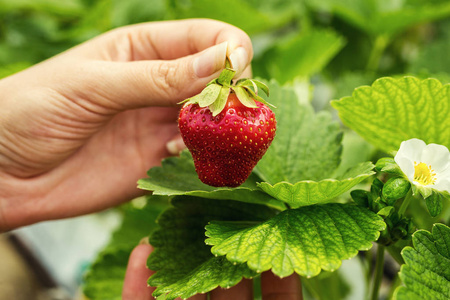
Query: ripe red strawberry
{"x": 227, "y": 144}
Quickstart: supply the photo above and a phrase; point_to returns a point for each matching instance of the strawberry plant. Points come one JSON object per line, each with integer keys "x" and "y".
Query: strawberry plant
{"x": 350, "y": 187}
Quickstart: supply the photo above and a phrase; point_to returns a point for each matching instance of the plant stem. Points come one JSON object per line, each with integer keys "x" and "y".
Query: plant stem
{"x": 378, "y": 276}
{"x": 405, "y": 203}
{"x": 369, "y": 257}
{"x": 379, "y": 45}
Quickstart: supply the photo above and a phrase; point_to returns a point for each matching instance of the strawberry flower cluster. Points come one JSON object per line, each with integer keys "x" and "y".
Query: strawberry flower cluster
{"x": 419, "y": 171}
{"x": 427, "y": 167}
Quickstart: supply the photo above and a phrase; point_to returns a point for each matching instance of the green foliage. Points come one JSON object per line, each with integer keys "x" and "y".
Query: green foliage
{"x": 177, "y": 176}
{"x": 251, "y": 16}
{"x": 307, "y": 146}
{"x": 62, "y": 8}
{"x": 433, "y": 58}
{"x": 426, "y": 274}
{"x": 303, "y": 240}
{"x": 384, "y": 17}
{"x": 302, "y": 55}
{"x": 291, "y": 40}
{"x": 185, "y": 265}
{"x": 394, "y": 110}
{"x": 305, "y": 193}
{"x": 105, "y": 278}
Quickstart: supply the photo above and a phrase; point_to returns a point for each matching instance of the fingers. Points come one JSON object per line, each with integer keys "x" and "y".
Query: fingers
{"x": 242, "y": 291}
{"x": 275, "y": 288}
{"x": 135, "y": 283}
{"x": 175, "y": 145}
{"x": 159, "y": 63}
{"x": 166, "y": 40}
{"x": 154, "y": 83}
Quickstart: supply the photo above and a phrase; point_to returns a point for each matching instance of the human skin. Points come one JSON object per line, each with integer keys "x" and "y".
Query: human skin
{"x": 79, "y": 129}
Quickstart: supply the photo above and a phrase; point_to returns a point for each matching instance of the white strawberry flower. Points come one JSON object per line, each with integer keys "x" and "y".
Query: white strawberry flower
{"x": 427, "y": 167}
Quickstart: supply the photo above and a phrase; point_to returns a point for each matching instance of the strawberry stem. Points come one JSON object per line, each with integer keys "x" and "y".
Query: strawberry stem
{"x": 226, "y": 77}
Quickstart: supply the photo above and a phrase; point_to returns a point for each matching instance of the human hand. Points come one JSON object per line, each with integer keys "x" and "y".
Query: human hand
{"x": 78, "y": 130}
{"x": 272, "y": 287}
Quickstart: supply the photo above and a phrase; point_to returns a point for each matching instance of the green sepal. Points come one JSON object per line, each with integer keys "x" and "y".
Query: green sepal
{"x": 383, "y": 162}
{"x": 262, "y": 86}
{"x": 434, "y": 203}
{"x": 256, "y": 97}
{"x": 217, "y": 106}
{"x": 255, "y": 84}
{"x": 425, "y": 192}
{"x": 209, "y": 95}
{"x": 215, "y": 94}
{"x": 386, "y": 211}
{"x": 244, "y": 97}
{"x": 388, "y": 165}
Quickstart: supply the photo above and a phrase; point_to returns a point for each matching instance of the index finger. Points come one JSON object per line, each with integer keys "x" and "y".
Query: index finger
{"x": 166, "y": 40}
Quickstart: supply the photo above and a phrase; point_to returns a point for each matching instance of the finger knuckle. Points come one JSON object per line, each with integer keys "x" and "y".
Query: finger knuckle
{"x": 165, "y": 78}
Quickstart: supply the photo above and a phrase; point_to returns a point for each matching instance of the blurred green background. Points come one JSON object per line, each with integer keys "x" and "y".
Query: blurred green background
{"x": 323, "y": 47}
{"x": 342, "y": 43}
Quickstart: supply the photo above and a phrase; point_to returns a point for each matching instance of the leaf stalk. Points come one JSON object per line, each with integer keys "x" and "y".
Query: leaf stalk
{"x": 378, "y": 276}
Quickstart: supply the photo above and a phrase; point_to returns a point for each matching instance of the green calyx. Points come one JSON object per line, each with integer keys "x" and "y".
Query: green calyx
{"x": 215, "y": 94}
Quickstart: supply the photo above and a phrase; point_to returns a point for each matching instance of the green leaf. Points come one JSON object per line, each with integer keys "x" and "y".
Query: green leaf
{"x": 177, "y": 176}
{"x": 426, "y": 274}
{"x": 433, "y": 58}
{"x": 303, "y": 240}
{"x": 184, "y": 265}
{"x": 250, "y": 16}
{"x": 311, "y": 192}
{"x": 104, "y": 279}
{"x": 302, "y": 56}
{"x": 379, "y": 17}
{"x": 394, "y": 110}
{"x": 63, "y": 8}
{"x": 307, "y": 146}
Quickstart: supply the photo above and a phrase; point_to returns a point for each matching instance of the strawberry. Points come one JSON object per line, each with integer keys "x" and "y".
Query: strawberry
{"x": 226, "y": 130}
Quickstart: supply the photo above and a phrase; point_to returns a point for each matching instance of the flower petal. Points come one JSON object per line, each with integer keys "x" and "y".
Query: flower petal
{"x": 412, "y": 149}
{"x": 442, "y": 185}
{"x": 437, "y": 156}
{"x": 406, "y": 165}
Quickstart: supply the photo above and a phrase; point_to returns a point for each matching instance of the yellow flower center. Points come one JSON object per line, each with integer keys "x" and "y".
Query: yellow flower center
{"x": 423, "y": 174}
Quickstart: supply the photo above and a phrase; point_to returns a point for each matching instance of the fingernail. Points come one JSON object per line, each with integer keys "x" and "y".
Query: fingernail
{"x": 239, "y": 60}
{"x": 210, "y": 60}
{"x": 175, "y": 146}
{"x": 144, "y": 241}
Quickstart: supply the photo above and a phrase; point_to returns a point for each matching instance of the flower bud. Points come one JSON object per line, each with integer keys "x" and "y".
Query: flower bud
{"x": 394, "y": 189}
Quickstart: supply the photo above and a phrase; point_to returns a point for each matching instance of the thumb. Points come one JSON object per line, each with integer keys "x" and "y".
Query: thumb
{"x": 165, "y": 82}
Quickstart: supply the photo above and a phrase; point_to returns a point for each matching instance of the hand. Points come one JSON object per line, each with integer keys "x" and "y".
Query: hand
{"x": 78, "y": 130}
{"x": 272, "y": 287}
